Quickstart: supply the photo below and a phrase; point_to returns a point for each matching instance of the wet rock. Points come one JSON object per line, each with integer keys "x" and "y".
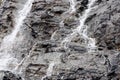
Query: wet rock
{"x": 7, "y": 17}
{"x": 81, "y": 6}
{"x": 49, "y": 23}
{"x": 70, "y": 22}
{"x": 105, "y": 24}
{"x": 35, "y": 69}
{"x": 7, "y": 75}
{"x": 47, "y": 20}
{"x": 76, "y": 47}
{"x": 77, "y": 74}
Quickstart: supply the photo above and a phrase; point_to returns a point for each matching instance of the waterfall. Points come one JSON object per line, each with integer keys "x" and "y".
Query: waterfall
{"x": 72, "y": 4}
{"x": 70, "y": 11}
{"x": 65, "y": 15}
{"x": 82, "y": 28}
{"x": 7, "y": 58}
{"x": 19, "y": 20}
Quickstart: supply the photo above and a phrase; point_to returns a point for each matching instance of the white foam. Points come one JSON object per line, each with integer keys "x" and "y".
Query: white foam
{"x": 7, "y": 60}
{"x": 82, "y": 28}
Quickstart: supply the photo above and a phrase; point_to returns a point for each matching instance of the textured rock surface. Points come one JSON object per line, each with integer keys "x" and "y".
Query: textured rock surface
{"x": 106, "y": 18}
{"x": 47, "y": 25}
{"x": 6, "y": 17}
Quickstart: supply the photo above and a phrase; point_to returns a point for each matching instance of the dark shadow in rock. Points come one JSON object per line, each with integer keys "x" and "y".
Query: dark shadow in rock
{"x": 10, "y": 76}
{"x": 90, "y": 18}
{"x": 78, "y": 48}
{"x": 98, "y": 1}
{"x": 84, "y": 2}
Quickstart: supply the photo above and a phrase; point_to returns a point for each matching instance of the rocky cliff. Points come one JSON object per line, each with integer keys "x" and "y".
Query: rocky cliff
{"x": 49, "y": 23}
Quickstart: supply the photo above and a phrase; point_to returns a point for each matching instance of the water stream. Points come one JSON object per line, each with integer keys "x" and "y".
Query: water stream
{"x": 82, "y": 28}
{"x": 7, "y": 58}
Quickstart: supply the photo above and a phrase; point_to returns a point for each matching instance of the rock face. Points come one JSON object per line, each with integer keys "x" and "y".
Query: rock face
{"x": 106, "y": 18}
{"x": 49, "y": 23}
{"x": 7, "y": 75}
{"x": 6, "y": 17}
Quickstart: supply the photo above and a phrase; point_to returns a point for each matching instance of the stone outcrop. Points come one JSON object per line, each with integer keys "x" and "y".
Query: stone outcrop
{"x": 49, "y": 23}
{"x": 104, "y": 22}
{"x": 7, "y": 75}
{"x": 7, "y": 11}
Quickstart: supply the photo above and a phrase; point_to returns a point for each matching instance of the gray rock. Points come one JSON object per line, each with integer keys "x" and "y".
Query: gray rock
{"x": 48, "y": 24}
{"x": 104, "y": 21}
{"x": 7, "y": 75}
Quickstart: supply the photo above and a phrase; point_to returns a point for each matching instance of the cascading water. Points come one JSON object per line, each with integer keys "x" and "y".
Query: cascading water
{"x": 72, "y": 4}
{"x": 45, "y": 49}
{"x": 7, "y": 58}
{"x": 82, "y": 28}
{"x": 19, "y": 20}
{"x": 70, "y": 11}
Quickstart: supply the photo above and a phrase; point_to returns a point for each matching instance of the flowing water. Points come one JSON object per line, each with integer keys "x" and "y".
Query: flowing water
{"x": 70, "y": 11}
{"x": 9, "y": 62}
{"x": 72, "y": 4}
{"x": 82, "y": 28}
{"x": 7, "y": 58}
